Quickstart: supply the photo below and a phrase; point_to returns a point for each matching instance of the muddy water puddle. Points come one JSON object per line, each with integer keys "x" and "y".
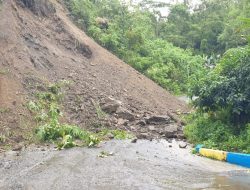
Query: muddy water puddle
{"x": 234, "y": 180}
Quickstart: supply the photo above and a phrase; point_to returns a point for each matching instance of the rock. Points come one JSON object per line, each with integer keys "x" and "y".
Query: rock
{"x": 158, "y": 120}
{"x": 170, "y": 131}
{"x": 141, "y": 123}
{"x": 183, "y": 145}
{"x": 111, "y": 105}
{"x": 132, "y": 128}
{"x": 181, "y": 136}
{"x": 169, "y": 134}
{"x": 7, "y": 165}
{"x": 143, "y": 136}
{"x": 121, "y": 121}
{"x": 134, "y": 140}
{"x": 151, "y": 128}
{"x": 17, "y": 147}
{"x": 170, "y": 140}
{"x": 170, "y": 146}
{"x": 110, "y": 136}
{"x": 125, "y": 114}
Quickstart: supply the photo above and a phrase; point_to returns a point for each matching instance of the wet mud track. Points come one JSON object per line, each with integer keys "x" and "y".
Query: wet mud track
{"x": 143, "y": 165}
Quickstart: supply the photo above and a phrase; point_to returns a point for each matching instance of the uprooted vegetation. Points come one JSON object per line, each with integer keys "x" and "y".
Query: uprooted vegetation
{"x": 48, "y": 115}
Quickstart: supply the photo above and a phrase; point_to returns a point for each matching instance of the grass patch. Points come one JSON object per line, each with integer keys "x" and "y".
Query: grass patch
{"x": 4, "y": 110}
{"x": 2, "y": 138}
{"x": 117, "y": 134}
{"x": 3, "y": 71}
{"x": 100, "y": 113}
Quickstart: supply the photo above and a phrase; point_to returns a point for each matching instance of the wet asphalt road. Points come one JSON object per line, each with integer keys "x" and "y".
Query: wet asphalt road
{"x": 143, "y": 165}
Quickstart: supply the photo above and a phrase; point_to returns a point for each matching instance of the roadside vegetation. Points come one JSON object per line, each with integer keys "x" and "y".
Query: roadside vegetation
{"x": 202, "y": 53}
{"x": 222, "y": 119}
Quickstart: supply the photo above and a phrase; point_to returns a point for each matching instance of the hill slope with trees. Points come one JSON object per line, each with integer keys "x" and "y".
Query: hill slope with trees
{"x": 201, "y": 52}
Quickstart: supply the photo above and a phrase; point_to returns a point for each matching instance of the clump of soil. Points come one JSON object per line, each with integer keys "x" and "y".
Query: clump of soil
{"x": 36, "y": 51}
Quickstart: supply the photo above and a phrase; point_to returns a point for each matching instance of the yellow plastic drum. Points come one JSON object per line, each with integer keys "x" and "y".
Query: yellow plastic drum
{"x": 214, "y": 154}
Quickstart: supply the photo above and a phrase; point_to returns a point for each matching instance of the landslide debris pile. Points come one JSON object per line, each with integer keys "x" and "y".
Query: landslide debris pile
{"x": 40, "y": 45}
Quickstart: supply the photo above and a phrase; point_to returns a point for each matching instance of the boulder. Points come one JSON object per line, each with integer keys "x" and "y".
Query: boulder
{"x": 110, "y": 105}
{"x": 170, "y": 131}
{"x": 125, "y": 114}
{"x": 158, "y": 120}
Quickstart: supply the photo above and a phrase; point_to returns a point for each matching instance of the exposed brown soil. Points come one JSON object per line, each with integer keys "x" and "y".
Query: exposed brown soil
{"x": 40, "y": 44}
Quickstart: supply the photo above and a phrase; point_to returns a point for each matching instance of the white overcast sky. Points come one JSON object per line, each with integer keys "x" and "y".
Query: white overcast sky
{"x": 165, "y": 11}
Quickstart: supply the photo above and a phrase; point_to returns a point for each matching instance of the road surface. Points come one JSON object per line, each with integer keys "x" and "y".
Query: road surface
{"x": 144, "y": 165}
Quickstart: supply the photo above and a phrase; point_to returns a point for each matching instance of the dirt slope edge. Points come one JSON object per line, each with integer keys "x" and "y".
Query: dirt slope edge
{"x": 41, "y": 46}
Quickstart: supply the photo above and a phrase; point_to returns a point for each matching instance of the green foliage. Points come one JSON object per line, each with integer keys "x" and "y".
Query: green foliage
{"x": 3, "y": 71}
{"x": 213, "y": 133}
{"x": 2, "y": 138}
{"x": 226, "y": 89}
{"x": 212, "y": 28}
{"x": 121, "y": 134}
{"x": 100, "y": 113}
{"x": 47, "y": 114}
{"x": 117, "y": 134}
{"x": 4, "y": 110}
{"x": 224, "y": 104}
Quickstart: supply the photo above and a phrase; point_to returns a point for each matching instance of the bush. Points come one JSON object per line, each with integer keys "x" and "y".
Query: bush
{"x": 227, "y": 88}
{"x": 213, "y": 133}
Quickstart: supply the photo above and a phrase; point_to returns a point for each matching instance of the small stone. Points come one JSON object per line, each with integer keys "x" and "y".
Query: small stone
{"x": 143, "y": 136}
{"x": 151, "y": 128}
{"x": 132, "y": 128}
{"x": 170, "y": 146}
{"x": 183, "y": 145}
{"x": 17, "y": 147}
{"x": 141, "y": 123}
{"x": 110, "y": 136}
{"x": 121, "y": 121}
{"x": 7, "y": 165}
{"x": 169, "y": 140}
{"x": 134, "y": 140}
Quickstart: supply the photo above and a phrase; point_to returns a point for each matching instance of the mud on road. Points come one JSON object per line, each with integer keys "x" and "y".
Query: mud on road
{"x": 143, "y": 165}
